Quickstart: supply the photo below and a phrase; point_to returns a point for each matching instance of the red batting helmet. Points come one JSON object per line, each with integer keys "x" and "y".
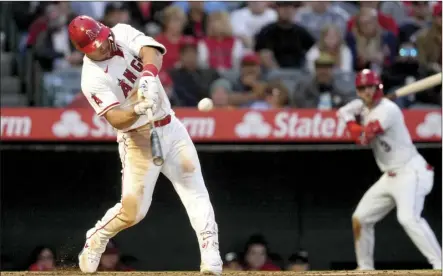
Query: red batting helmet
{"x": 87, "y": 34}
{"x": 367, "y": 77}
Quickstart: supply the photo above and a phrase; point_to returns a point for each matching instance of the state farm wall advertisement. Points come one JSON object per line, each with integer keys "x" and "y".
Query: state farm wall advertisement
{"x": 243, "y": 125}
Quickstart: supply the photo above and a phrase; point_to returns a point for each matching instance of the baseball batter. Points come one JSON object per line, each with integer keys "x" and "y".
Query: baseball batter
{"x": 406, "y": 179}
{"x": 121, "y": 63}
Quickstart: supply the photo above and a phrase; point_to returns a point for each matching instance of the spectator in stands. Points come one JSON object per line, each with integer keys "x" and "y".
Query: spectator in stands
{"x": 207, "y": 6}
{"x": 174, "y": 20}
{"x": 110, "y": 260}
{"x": 191, "y": 83}
{"x": 66, "y": 10}
{"x": 371, "y": 46}
{"x": 41, "y": 23}
{"x": 298, "y": 262}
{"x": 197, "y": 18}
{"x": 94, "y": 9}
{"x": 283, "y": 43}
{"x": 317, "y": 14}
{"x": 385, "y": 21}
{"x": 42, "y": 259}
{"x": 25, "y": 13}
{"x": 115, "y": 13}
{"x": 248, "y": 21}
{"x": 220, "y": 91}
{"x": 124, "y": 14}
{"x": 418, "y": 20}
{"x": 256, "y": 255}
{"x": 323, "y": 90}
{"x": 168, "y": 85}
{"x": 405, "y": 66}
{"x": 53, "y": 48}
{"x": 219, "y": 50}
{"x": 429, "y": 43}
{"x": 243, "y": 90}
{"x": 146, "y": 15}
{"x": 331, "y": 41}
{"x": 276, "y": 96}
{"x": 400, "y": 11}
{"x": 231, "y": 262}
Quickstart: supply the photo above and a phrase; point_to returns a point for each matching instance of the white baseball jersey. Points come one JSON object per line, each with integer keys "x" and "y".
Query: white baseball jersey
{"x": 393, "y": 148}
{"x": 110, "y": 83}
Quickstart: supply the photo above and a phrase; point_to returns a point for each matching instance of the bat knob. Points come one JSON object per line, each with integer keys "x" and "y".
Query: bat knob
{"x": 158, "y": 161}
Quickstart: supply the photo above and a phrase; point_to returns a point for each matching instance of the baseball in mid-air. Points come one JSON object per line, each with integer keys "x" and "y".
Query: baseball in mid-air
{"x": 205, "y": 104}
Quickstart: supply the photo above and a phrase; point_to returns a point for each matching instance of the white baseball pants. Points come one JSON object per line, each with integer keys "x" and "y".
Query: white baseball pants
{"x": 181, "y": 167}
{"x": 406, "y": 190}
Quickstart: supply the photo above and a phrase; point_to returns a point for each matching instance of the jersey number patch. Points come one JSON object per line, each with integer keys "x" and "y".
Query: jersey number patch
{"x": 386, "y": 147}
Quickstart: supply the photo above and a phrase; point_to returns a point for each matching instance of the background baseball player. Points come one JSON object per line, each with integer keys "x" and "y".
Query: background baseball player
{"x": 406, "y": 179}
{"x": 116, "y": 61}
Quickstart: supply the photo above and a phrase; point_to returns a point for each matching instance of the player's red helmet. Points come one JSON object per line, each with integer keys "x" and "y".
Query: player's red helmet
{"x": 87, "y": 34}
{"x": 367, "y": 77}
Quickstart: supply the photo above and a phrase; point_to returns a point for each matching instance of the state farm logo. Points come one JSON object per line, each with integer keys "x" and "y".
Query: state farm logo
{"x": 253, "y": 125}
{"x": 290, "y": 124}
{"x": 199, "y": 127}
{"x": 71, "y": 124}
{"x": 16, "y": 126}
{"x": 431, "y": 126}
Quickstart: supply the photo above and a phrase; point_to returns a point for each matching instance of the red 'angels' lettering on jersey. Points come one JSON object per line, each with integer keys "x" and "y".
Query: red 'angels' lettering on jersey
{"x": 96, "y": 99}
{"x": 126, "y": 88}
{"x": 137, "y": 65}
{"x": 130, "y": 76}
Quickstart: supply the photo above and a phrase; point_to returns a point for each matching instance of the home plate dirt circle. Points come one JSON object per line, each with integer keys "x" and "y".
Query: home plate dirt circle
{"x": 239, "y": 273}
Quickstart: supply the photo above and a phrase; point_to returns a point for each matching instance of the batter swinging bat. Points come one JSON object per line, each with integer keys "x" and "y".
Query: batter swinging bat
{"x": 417, "y": 86}
{"x": 156, "y": 148}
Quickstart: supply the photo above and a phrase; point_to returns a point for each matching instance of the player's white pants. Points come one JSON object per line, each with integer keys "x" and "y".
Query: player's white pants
{"x": 181, "y": 166}
{"x": 406, "y": 190}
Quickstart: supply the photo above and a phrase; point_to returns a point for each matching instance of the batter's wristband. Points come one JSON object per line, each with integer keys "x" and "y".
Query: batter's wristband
{"x": 149, "y": 70}
{"x": 354, "y": 129}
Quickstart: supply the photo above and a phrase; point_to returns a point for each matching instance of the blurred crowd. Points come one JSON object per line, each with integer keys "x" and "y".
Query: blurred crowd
{"x": 259, "y": 54}
{"x": 45, "y": 258}
{"x": 255, "y": 256}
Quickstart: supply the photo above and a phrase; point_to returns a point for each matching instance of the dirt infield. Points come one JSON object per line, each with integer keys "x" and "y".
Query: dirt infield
{"x": 241, "y": 273}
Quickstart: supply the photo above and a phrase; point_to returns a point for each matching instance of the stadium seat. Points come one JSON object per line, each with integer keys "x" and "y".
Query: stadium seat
{"x": 6, "y": 62}
{"x": 289, "y": 77}
{"x": 13, "y": 100}
{"x": 231, "y": 75}
{"x": 2, "y": 40}
{"x": 285, "y": 74}
{"x": 345, "y": 80}
{"x": 10, "y": 85}
{"x": 62, "y": 86}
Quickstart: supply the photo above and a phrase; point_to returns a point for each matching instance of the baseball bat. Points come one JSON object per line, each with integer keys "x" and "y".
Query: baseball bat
{"x": 417, "y": 86}
{"x": 156, "y": 148}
